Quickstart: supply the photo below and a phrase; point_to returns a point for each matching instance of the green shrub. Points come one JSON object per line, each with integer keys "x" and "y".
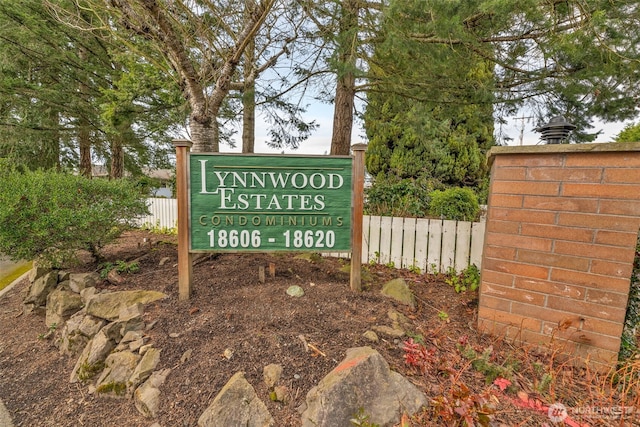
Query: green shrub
{"x": 401, "y": 198}
{"x": 48, "y": 216}
{"x": 459, "y": 204}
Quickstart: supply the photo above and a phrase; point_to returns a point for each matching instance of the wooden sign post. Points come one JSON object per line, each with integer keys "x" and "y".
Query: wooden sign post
{"x": 356, "y": 221}
{"x": 185, "y": 266}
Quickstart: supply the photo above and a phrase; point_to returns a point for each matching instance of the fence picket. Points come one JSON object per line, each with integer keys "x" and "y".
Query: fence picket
{"x": 366, "y": 225}
{"x": 374, "y": 239}
{"x": 435, "y": 246}
{"x": 406, "y": 242}
{"x": 463, "y": 243}
{"x": 409, "y": 244}
{"x": 423, "y": 241}
{"x": 397, "y": 230}
{"x": 477, "y": 243}
{"x": 448, "y": 245}
{"x": 385, "y": 239}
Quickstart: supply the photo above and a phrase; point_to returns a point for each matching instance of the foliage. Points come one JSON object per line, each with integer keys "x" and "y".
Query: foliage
{"x": 120, "y": 266}
{"x": 459, "y": 204}
{"x": 49, "y": 215}
{"x": 401, "y": 198}
{"x": 467, "y": 280}
{"x": 482, "y": 363}
{"x": 458, "y": 404}
{"x": 631, "y": 133}
{"x": 629, "y": 345}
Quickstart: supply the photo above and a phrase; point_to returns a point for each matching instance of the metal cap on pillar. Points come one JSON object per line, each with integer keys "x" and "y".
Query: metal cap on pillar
{"x": 556, "y": 131}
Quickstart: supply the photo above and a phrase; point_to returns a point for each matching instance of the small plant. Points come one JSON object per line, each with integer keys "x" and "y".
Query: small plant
{"x": 418, "y": 356}
{"x": 460, "y": 404}
{"x": 483, "y": 364}
{"x": 414, "y": 268}
{"x": 467, "y": 280}
{"x": 362, "y": 420}
{"x": 158, "y": 229}
{"x": 444, "y": 316}
{"x": 390, "y": 264}
{"x": 120, "y": 267}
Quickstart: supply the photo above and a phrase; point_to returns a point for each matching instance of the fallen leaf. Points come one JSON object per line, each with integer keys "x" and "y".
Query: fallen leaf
{"x": 502, "y": 383}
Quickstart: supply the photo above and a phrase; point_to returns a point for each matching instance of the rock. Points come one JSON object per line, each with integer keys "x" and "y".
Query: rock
{"x": 399, "y": 320}
{"x": 147, "y": 397}
{"x": 80, "y": 281}
{"x": 91, "y": 361}
{"x": 371, "y": 336}
{"x": 398, "y": 290}
{"x": 131, "y": 312}
{"x": 186, "y": 356}
{"x": 39, "y": 270}
{"x": 86, "y": 294}
{"x": 362, "y": 382}
{"x": 228, "y": 353}
{"x": 61, "y": 305}
{"x": 41, "y": 287}
{"x": 114, "y": 277}
{"x": 271, "y": 374}
{"x": 108, "y": 305}
{"x": 281, "y": 394}
{"x": 77, "y": 332}
{"x": 388, "y": 330}
{"x": 131, "y": 336}
{"x": 237, "y": 404}
{"x": 118, "y": 368}
{"x": 63, "y": 276}
{"x": 295, "y": 291}
{"x": 146, "y": 366}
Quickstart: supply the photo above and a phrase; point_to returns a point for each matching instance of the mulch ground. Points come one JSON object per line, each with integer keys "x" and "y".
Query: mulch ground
{"x": 232, "y": 312}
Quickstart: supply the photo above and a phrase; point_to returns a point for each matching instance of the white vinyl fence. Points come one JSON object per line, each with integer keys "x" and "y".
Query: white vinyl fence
{"x": 431, "y": 245}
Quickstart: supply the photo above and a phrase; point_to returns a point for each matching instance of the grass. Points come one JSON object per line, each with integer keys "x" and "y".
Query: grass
{"x": 6, "y": 280}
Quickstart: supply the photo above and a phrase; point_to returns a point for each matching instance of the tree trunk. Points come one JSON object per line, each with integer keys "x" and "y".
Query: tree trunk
{"x": 343, "y": 115}
{"x": 249, "y": 94}
{"x": 346, "y": 85}
{"x": 249, "y": 119}
{"x": 117, "y": 157}
{"x": 204, "y": 135}
{"x": 84, "y": 144}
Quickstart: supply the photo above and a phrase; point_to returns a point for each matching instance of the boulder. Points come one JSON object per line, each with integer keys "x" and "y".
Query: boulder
{"x": 363, "y": 383}
{"x": 147, "y": 397}
{"x": 80, "y": 281}
{"x": 398, "y": 290}
{"x": 91, "y": 361}
{"x": 109, "y": 305}
{"x": 61, "y": 304}
{"x": 237, "y": 404}
{"x": 77, "y": 332}
{"x": 41, "y": 287}
{"x": 118, "y": 368}
{"x": 145, "y": 367}
{"x": 39, "y": 270}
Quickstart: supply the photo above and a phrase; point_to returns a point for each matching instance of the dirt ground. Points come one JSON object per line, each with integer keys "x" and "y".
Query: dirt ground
{"x": 231, "y": 309}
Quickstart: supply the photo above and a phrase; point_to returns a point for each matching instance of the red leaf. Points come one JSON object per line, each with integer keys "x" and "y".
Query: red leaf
{"x": 502, "y": 383}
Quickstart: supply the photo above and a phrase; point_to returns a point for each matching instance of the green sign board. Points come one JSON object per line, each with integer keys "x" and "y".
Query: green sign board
{"x": 269, "y": 203}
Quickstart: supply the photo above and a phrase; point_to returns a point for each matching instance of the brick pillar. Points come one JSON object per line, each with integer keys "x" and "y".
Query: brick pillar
{"x": 562, "y": 226}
